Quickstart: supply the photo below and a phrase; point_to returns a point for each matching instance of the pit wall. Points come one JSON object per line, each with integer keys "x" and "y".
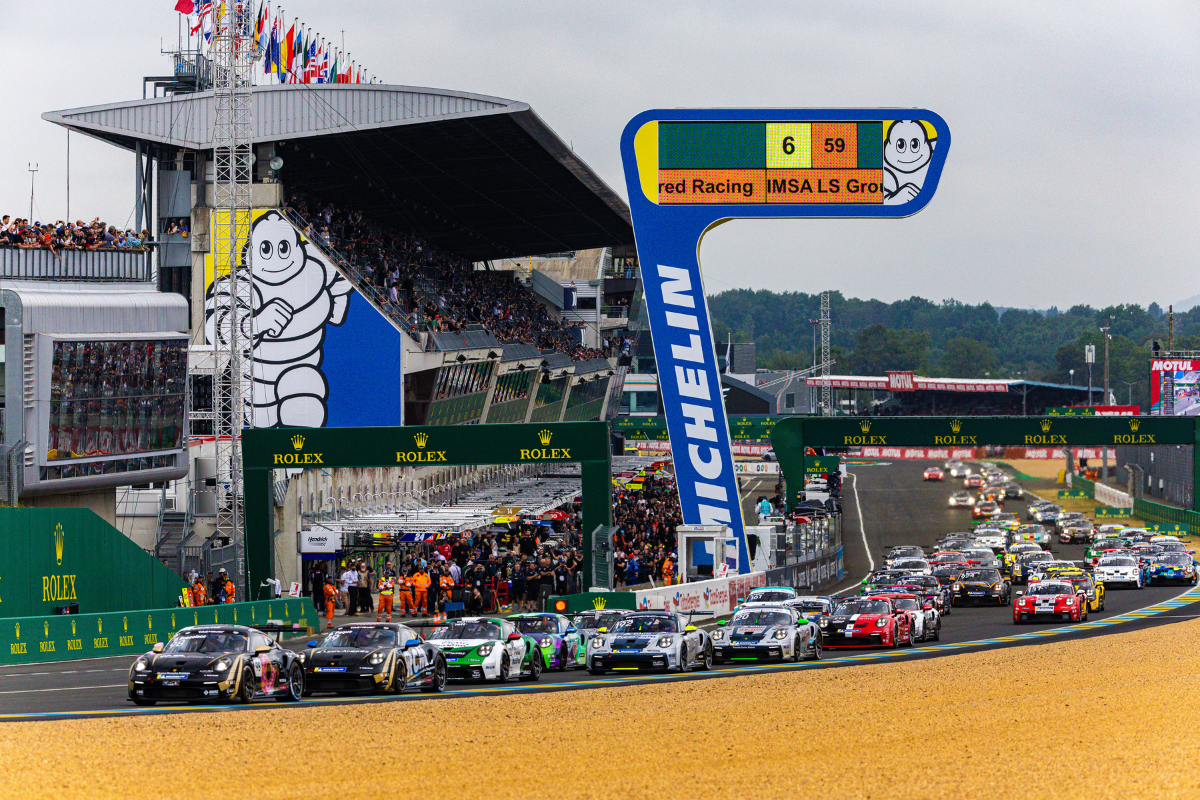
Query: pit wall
{"x": 32, "y": 640}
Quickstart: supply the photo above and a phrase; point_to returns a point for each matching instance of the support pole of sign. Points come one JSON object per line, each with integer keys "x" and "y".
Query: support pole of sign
{"x": 596, "y": 489}
{"x": 1195, "y": 464}
{"x": 789, "y": 446}
{"x": 258, "y": 531}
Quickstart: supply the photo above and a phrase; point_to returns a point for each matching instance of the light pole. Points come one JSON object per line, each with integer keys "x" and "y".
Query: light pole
{"x": 1072, "y": 376}
{"x": 812, "y": 393}
{"x": 1107, "y": 336}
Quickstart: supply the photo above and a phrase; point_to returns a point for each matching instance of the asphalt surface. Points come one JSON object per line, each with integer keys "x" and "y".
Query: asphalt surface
{"x": 897, "y": 508}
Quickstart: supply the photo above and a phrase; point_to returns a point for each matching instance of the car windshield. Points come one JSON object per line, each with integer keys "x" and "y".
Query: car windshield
{"x": 905, "y": 552}
{"x": 1119, "y": 561}
{"x": 467, "y": 630}
{"x": 986, "y": 575}
{"x": 1175, "y": 560}
{"x": 862, "y": 607}
{"x": 536, "y": 624}
{"x": 756, "y": 616}
{"x": 769, "y": 596}
{"x": 362, "y": 638}
{"x": 1173, "y": 547}
{"x": 1108, "y": 544}
{"x": 592, "y": 620}
{"x": 911, "y": 563}
{"x": 1040, "y": 555}
{"x": 647, "y": 625}
{"x": 977, "y": 552}
{"x": 1052, "y": 588}
{"x": 908, "y": 604}
{"x": 811, "y": 605}
{"x": 206, "y": 642}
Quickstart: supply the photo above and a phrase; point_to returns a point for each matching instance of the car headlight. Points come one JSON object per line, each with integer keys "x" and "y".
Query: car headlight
{"x": 301, "y": 657}
{"x": 781, "y": 634}
{"x": 546, "y": 642}
{"x": 222, "y": 665}
{"x": 824, "y": 623}
{"x": 485, "y": 650}
{"x": 1071, "y": 602}
{"x": 598, "y": 642}
{"x": 140, "y": 666}
{"x": 377, "y": 658}
{"x": 881, "y": 622}
{"x": 665, "y": 641}
{"x": 718, "y": 635}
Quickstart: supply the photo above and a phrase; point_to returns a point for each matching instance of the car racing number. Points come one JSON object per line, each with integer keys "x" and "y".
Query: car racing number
{"x": 416, "y": 660}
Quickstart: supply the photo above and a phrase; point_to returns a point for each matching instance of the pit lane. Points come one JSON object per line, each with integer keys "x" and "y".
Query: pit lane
{"x": 898, "y": 508}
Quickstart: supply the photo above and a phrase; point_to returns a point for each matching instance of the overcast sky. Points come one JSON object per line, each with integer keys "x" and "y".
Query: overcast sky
{"x": 1074, "y": 124}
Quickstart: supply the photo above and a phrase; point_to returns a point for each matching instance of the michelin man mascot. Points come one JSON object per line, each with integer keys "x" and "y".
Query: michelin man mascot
{"x": 295, "y": 295}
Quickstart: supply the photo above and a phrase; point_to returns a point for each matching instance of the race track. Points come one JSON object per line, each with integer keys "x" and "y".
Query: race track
{"x": 897, "y": 508}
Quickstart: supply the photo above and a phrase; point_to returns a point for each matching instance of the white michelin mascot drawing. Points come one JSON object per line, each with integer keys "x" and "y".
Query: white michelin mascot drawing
{"x": 295, "y": 295}
{"x": 907, "y": 151}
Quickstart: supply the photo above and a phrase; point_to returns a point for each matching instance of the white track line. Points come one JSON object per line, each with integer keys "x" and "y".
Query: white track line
{"x": 63, "y": 689}
{"x": 861, "y": 525}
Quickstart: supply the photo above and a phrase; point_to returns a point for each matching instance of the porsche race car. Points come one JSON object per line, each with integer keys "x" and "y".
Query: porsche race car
{"x": 766, "y": 632}
{"x": 558, "y": 639}
{"x": 1178, "y": 567}
{"x": 651, "y": 640}
{"x": 933, "y": 474}
{"x": 867, "y": 622}
{"x": 487, "y": 648}
{"x": 1119, "y": 569}
{"x": 372, "y": 656}
{"x": 1050, "y": 600}
{"x": 961, "y": 500}
{"x": 216, "y": 662}
{"x": 975, "y": 586}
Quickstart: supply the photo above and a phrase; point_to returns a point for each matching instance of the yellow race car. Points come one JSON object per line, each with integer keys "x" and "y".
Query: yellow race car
{"x": 1085, "y": 583}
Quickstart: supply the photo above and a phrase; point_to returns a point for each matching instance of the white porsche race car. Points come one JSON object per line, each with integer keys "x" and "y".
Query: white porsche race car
{"x": 651, "y": 641}
{"x": 766, "y": 632}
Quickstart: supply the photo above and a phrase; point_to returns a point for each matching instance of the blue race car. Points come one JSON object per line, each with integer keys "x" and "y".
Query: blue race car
{"x": 1179, "y": 567}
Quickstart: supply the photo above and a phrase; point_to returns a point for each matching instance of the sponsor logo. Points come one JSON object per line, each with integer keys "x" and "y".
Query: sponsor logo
{"x": 59, "y": 536}
{"x": 421, "y": 440}
{"x": 956, "y": 425}
{"x": 1134, "y": 424}
{"x": 544, "y": 437}
{"x": 1045, "y": 425}
{"x": 298, "y": 442}
{"x": 599, "y": 602}
{"x": 865, "y": 426}
{"x": 297, "y": 458}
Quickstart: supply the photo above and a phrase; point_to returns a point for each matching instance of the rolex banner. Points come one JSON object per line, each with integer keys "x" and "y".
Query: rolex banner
{"x": 28, "y": 640}
{"x": 590, "y": 601}
{"x": 57, "y": 557}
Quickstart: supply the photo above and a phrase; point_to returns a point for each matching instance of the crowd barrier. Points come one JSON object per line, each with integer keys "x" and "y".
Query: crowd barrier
{"x": 718, "y": 595}
{"x": 811, "y": 575}
{"x": 1180, "y": 520}
{"x": 31, "y": 640}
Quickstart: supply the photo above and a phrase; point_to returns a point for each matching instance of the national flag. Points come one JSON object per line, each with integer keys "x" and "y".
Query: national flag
{"x": 185, "y": 6}
{"x": 334, "y": 72}
{"x": 258, "y": 23}
{"x": 285, "y": 53}
{"x": 323, "y": 68}
{"x": 204, "y": 18}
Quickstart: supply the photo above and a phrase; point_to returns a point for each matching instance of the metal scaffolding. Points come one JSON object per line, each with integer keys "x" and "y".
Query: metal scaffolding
{"x": 825, "y": 365}
{"x": 233, "y": 53}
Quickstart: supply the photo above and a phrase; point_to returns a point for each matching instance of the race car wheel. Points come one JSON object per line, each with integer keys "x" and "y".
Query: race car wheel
{"x": 706, "y": 661}
{"x": 142, "y": 701}
{"x": 399, "y": 677}
{"x": 815, "y": 653}
{"x": 439, "y": 677}
{"x": 535, "y": 667}
{"x": 503, "y": 669}
{"x": 797, "y": 653}
{"x": 295, "y": 687}
{"x": 684, "y": 666}
{"x": 597, "y": 671}
{"x": 246, "y": 690}
{"x": 937, "y": 631}
{"x": 562, "y": 659}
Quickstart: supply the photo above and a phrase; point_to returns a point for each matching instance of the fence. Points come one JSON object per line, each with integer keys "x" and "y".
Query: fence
{"x": 75, "y": 265}
{"x": 1167, "y": 470}
{"x": 1145, "y": 510}
{"x": 808, "y": 555}
{"x": 602, "y": 557}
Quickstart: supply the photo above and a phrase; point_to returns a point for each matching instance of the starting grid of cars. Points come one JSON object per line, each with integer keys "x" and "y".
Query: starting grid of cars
{"x": 901, "y": 604}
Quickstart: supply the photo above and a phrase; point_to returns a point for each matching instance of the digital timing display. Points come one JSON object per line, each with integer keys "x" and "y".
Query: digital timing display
{"x": 875, "y": 163}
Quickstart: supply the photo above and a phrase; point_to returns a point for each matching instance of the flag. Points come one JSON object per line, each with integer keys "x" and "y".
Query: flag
{"x": 323, "y": 68}
{"x": 333, "y": 73}
{"x": 258, "y": 23}
{"x": 204, "y": 18}
{"x": 276, "y": 46}
{"x": 185, "y": 6}
{"x": 286, "y": 53}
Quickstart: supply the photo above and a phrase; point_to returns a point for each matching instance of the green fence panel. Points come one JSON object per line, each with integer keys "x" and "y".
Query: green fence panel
{"x": 30, "y": 640}
{"x": 589, "y": 601}
{"x": 58, "y": 556}
{"x": 1151, "y": 511}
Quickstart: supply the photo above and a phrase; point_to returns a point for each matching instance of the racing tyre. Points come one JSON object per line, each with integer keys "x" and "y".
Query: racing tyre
{"x": 597, "y": 671}
{"x": 246, "y": 690}
{"x": 535, "y": 667}
{"x": 706, "y": 661}
{"x": 504, "y": 669}
{"x": 562, "y": 659}
{"x": 797, "y": 652}
{"x": 683, "y": 659}
{"x": 439, "y": 677}
{"x": 142, "y": 701}
{"x": 817, "y": 644}
{"x": 937, "y": 631}
{"x": 399, "y": 677}
{"x": 295, "y": 687}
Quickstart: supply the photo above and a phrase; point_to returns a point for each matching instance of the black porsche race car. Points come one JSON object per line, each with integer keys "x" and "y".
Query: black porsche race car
{"x": 974, "y": 586}
{"x": 216, "y": 662}
{"x": 373, "y": 657}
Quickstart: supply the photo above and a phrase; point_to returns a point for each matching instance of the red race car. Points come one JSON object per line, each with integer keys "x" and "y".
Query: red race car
{"x": 933, "y": 474}
{"x": 1050, "y": 599}
{"x": 973, "y": 482}
{"x": 985, "y": 510}
{"x": 867, "y": 622}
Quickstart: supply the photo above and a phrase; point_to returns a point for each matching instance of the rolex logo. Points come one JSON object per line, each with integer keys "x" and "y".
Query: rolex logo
{"x": 1134, "y": 424}
{"x": 865, "y": 425}
{"x": 172, "y": 622}
{"x": 149, "y": 622}
{"x": 1045, "y": 425}
{"x": 99, "y": 625}
{"x": 59, "y": 535}
{"x": 956, "y": 425}
{"x": 544, "y": 437}
{"x": 421, "y": 439}
{"x": 297, "y": 442}
{"x": 598, "y": 602}
{"x": 125, "y": 622}
{"x": 17, "y": 626}
{"x": 72, "y": 627}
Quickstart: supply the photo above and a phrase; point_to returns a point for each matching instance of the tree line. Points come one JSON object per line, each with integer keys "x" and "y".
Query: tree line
{"x": 953, "y": 339}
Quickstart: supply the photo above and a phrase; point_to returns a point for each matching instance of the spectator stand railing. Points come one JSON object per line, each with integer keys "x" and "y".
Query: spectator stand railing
{"x": 131, "y": 265}
{"x": 361, "y": 282}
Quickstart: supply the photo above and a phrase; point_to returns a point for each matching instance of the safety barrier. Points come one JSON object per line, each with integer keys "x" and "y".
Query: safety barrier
{"x": 31, "y": 640}
{"x": 718, "y": 595}
{"x": 1145, "y": 510}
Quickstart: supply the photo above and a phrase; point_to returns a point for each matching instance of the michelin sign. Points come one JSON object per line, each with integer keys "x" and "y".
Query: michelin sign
{"x": 688, "y": 170}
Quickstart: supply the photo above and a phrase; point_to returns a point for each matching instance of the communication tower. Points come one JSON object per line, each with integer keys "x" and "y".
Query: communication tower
{"x": 825, "y": 323}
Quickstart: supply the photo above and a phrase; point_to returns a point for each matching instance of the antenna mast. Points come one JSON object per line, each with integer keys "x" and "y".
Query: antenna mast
{"x": 825, "y": 323}
{"x": 233, "y": 55}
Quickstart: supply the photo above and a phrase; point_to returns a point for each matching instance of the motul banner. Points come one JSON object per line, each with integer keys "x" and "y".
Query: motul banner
{"x": 901, "y": 382}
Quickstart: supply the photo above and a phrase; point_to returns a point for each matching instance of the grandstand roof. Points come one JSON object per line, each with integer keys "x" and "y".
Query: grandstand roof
{"x": 939, "y": 384}
{"x": 480, "y": 176}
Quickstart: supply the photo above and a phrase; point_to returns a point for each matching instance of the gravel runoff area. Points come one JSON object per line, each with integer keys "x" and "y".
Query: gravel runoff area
{"x": 1110, "y": 715}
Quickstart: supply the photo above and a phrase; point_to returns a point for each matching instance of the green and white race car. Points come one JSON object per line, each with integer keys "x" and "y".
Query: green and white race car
{"x": 487, "y": 649}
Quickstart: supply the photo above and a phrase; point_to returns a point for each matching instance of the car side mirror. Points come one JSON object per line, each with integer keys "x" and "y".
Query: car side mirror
{"x": 603, "y": 630}
{"x": 572, "y": 630}
{"x": 411, "y": 643}
{"x": 928, "y": 606}
{"x": 262, "y": 648}
{"x": 512, "y": 637}
{"x": 689, "y": 629}
{"x": 158, "y": 647}
{"x": 312, "y": 643}
{"x": 1020, "y": 593}
{"x": 722, "y": 623}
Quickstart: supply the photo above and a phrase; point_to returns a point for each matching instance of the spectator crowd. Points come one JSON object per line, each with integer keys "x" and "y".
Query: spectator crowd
{"x": 429, "y": 289}
{"x": 62, "y": 235}
{"x": 644, "y": 538}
